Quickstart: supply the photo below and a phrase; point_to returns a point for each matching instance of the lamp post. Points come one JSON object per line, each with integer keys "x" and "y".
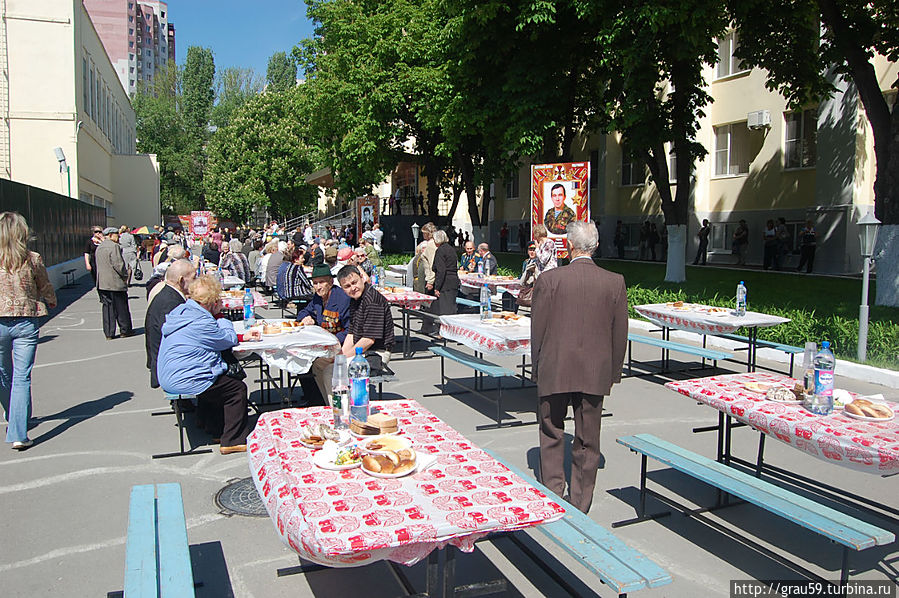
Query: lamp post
{"x": 867, "y": 235}
{"x": 415, "y": 230}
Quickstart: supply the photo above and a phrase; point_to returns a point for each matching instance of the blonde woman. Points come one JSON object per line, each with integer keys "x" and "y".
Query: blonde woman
{"x": 546, "y": 250}
{"x": 25, "y": 295}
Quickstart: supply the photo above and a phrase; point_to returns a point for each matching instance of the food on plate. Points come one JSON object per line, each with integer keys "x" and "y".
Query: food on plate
{"x": 717, "y": 310}
{"x": 756, "y": 386}
{"x": 271, "y": 329}
{"x": 348, "y": 455}
{"x": 676, "y": 304}
{"x": 385, "y": 423}
{"x": 316, "y": 435}
{"x": 841, "y": 398}
{"x": 363, "y": 428}
{"x": 390, "y": 462}
{"x": 507, "y": 315}
{"x": 867, "y": 408}
{"x": 780, "y": 395}
{"x": 384, "y": 444}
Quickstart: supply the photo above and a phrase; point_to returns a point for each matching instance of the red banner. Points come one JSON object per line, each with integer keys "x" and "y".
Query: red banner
{"x": 200, "y": 222}
{"x": 560, "y": 194}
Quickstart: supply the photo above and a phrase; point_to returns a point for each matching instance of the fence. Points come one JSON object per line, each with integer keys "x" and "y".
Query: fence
{"x": 60, "y": 225}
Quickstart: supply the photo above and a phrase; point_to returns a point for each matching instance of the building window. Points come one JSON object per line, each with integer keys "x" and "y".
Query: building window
{"x": 138, "y": 50}
{"x": 131, "y": 6}
{"x": 672, "y": 164}
{"x": 93, "y": 102}
{"x": 731, "y": 149}
{"x": 130, "y": 31}
{"x": 800, "y": 138}
{"x": 130, "y": 44}
{"x": 85, "y": 86}
{"x": 632, "y": 173}
{"x": 512, "y": 186}
{"x": 130, "y": 56}
{"x": 130, "y": 19}
{"x": 728, "y": 64}
{"x": 721, "y": 235}
{"x": 162, "y": 14}
{"x": 131, "y": 83}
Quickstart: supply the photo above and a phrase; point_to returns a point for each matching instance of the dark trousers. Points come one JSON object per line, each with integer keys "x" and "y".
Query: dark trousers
{"x": 701, "y": 253}
{"x": 446, "y": 303}
{"x": 504, "y": 244}
{"x": 585, "y": 455}
{"x": 115, "y": 310}
{"x": 230, "y": 396}
{"x": 770, "y": 258}
{"x": 806, "y": 258}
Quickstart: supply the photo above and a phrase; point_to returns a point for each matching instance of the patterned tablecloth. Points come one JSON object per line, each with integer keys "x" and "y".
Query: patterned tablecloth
{"x": 872, "y": 447}
{"x": 473, "y": 280}
{"x": 349, "y": 519}
{"x": 406, "y": 297}
{"x": 698, "y": 318}
{"x": 494, "y": 336}
{"x": 232, "y": 281}
{"x": 229, "y": 302}
{"x": 291, "y": 352}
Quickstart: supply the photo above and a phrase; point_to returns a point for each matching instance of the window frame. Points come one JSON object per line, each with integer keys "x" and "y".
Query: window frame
{"x": 733, "y": 41}
{"x": 800, "y": 140}
{"x": 729, "y": 150}
{"x": 512, "y": 187}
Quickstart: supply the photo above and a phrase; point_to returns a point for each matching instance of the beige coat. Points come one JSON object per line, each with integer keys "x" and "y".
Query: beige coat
{"x": 578, "y": 329}
{"x": 430, "y": 251}
{"x": 112, "y": 274}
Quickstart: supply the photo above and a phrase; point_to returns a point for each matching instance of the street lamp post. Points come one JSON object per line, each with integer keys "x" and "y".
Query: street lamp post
{"x": 867, "y": 235}
{"x": 415, "y": 230}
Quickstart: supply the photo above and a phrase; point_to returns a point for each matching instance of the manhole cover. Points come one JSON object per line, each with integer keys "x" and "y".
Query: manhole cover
{"x": 240, "y": 498}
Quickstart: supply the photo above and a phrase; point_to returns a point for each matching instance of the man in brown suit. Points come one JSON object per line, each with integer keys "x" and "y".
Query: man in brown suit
{"x": 578, "y": 339}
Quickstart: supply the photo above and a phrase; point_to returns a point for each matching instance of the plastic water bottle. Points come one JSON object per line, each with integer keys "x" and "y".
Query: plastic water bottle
{"x": 741, "y": 299}
{"x": 481, "y": 269}
{"x": 359, "y": 372}
{"x": 822, "y": 403}
{"x": 808, "y": 367}
{"x": 340, "y": 393}
{"x": 375, "y": 279}
{"x": 485, "y": 302}
{"x": 249, "y": 318}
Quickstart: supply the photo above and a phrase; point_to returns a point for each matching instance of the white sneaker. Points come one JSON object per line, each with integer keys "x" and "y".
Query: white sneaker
{"x": 21, "y": 445}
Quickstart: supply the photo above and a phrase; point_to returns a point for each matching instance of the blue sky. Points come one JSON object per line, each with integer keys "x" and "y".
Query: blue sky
{"x": 240, "y": 33}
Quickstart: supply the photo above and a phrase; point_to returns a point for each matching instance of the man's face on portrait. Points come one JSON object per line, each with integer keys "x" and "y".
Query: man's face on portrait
{"x": 558, "y": 197}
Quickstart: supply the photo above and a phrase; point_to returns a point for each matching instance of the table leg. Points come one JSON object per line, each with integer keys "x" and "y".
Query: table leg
{"x": 760, "y": 459}
{"x": 720, "y": 436}
{"x": 433, "y": 570}
{"x": 727, "y": 439}
{"x": 449, "y": 572}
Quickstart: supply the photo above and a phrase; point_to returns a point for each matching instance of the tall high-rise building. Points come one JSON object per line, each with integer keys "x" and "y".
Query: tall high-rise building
{"x": 138, "y": 37}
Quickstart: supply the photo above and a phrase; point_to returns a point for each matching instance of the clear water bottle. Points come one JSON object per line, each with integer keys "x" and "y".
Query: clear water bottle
{"x": 741, "y": 299}
{"x": 808, "y": 367}
{"x": 359, "y": 372}
{"x": 822, "y": 403}
{"x": 249, "y": 318}
{"x": 480, "y": 268}
{"x": 485, "y": 302}
{"x": 375, "y": 279}
{"x": 340, "y": 393}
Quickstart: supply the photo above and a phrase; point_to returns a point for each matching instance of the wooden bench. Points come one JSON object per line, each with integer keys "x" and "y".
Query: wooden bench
{"x": 788, "y": 349}
{"x": 668, "y": 345}
{"x": 70, "y": 278}
{"x": 157, "y": 557}
{"x": 838, "y": 527}
{"x": 175, "y": 402}
{"x": 481, "y": 367}
{"x": 618, "y": 565}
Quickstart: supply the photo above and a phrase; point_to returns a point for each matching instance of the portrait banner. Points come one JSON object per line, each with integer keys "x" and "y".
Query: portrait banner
{"x": 200, "y": 221}
{"x": 560, "y": 194}
{"x": 366, "y": 213}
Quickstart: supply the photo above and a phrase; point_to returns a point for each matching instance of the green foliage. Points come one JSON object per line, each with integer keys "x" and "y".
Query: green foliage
{"x": 197, "y": 91}
{"x": 233, "y": 87}
{"x": 281, "y": 73}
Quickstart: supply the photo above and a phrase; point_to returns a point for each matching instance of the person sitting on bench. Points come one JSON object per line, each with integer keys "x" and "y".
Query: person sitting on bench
{"x": 371, "y": 324}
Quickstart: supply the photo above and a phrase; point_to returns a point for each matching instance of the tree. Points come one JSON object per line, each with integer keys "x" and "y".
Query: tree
{"x": 198, "y": 93}
{"x": 281, "y": 73}
{"x": 803, "y": 45}
{"x": 233, "y": 87}
{"x": 261, "y": 158}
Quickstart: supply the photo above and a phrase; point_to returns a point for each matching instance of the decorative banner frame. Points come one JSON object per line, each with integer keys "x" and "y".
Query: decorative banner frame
{"x": 200, "y": 222}
{"x": 367, "y": 210}
{"x": 574, "y": 179}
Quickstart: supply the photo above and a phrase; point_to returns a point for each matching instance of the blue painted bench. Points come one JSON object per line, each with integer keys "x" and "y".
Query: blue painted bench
{"x": 788, "y": 349}
{"x": 157, "y": 558}
{"x": 834, "y": 525}
{"x": 481, "y": 367}
{"x": 175, "y": 402}
{"x": 467, "y": 302}
{"x": 618, "y": 565}
{"x": 668, "y": 345}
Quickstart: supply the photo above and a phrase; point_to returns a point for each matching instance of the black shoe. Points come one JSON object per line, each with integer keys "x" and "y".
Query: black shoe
{"x": 127, "y": 334}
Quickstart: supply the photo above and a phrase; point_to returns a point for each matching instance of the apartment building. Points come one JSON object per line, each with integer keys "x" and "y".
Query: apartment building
{"x": 138, "y": 37}
{"x": 67, "y": 123}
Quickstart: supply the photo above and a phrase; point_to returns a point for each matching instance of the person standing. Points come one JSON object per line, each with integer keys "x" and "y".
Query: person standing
{"x": 488, "y": 259}
{"x": 504, "y": 238}
{"x": 545, "y": 250}
{"x": 446, "y": 279}
{"x": 27, "y": 293}
{"x": 784, "y": 244}
{"x": 427, "y": 233}
{"x": 703, "y": 236}
{"x": 739, "y": 242}
{"x": 619, "y": 239}
{"x": 129, "y": 250}
{"x": 112, "y": 283}
{"x": 90, "y": 250}
{"x": 769, "y": 239}
{"x": 808, "y": 243}
{"x": 578, "y": 341}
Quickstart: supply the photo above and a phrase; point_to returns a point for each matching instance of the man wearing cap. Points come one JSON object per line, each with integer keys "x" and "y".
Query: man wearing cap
{"x": 112, "y": 285}
{"x": 330, "y": 309}
{"x": 371, "y": 325}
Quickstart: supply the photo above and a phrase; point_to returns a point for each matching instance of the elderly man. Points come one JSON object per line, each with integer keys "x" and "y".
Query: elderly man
{"x": 176, "y": 252}
{"x": 578, "y": 340}
{"x": 170, "y": 295}
{"x": 487, "y": 259}
{"x": 559, "y": 215}
{"x": 469, "y": 261}
{"x": 112, "y": 284}
{"x": 330, "y": 309}
{"x": 371, "y": 325}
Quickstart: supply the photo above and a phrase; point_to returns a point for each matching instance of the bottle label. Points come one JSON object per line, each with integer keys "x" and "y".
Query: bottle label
{"x": 359, "y": 391}
{"x": 824, "y": 382}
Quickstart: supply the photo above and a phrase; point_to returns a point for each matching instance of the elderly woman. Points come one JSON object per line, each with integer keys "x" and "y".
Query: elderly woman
{"x": 545, "y": 250}
{"x": 419, "y": 268}
{"x": 190, "y": 360}
{"x": 446, "y": 279}
{"x": 361, "y": 260}
{"x": 129, "y": 250}
{"x": 270, "y": 249}
{"x": 292, "y": 282}
{"x": 234, "y": 263}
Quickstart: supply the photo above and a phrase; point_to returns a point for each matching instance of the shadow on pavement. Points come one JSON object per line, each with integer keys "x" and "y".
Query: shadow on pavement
{"x": 77, "y": 413}
{"x": 210, "y": 569}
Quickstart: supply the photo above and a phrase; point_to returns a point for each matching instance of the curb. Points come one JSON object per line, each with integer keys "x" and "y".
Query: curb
{"x": 847, "y": 369}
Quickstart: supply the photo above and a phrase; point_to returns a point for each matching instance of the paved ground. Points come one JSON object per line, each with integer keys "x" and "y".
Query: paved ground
{"x": 65, "y": 500}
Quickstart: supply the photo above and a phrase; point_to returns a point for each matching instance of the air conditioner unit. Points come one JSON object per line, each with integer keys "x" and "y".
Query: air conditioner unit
{"x": 758, "y": 119}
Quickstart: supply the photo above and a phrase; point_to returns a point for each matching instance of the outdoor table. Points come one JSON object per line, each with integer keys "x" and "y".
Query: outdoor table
{"x": 476, "y": 281}
{"x": 229, "y": 302}
{"x": 694, "y": 317}
{"x": 408, "y": 301}
{"x": 350, "y": 519}
{"x": 232, "y": 281}
{"x": 866, "y": 446}
{"x": 492, "y": 336}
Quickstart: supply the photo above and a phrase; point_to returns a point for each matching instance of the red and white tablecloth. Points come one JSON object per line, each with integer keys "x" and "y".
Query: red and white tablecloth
{"x": 493, "y": 336}
{"x": 872, "y": 447}
{"x": 698, "y": 318}
{"x": 407, "y": 298}
{"x": 473, "y": 280}
{"x": 229, "y": 302}
{"x": 349, "y": 519}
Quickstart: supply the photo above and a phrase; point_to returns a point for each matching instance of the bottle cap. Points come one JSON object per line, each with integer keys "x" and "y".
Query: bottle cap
{"x": 358, "y": 350}
{"x": 741, "y": 282}
{"x": 825, "y": 345}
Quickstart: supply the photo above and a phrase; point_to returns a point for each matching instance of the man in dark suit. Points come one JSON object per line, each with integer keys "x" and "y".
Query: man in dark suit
{"x": 578, "y": 339}
{"x": 177, "y": 278}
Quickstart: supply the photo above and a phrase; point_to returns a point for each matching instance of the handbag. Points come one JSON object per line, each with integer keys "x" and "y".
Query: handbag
{"x": 138, "y": 273}
{"x": 524, "y": 296}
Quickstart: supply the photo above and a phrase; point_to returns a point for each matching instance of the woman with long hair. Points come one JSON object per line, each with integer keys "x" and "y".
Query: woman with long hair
{"x": 545, "y": 250}
{"x": 25, "y": 295}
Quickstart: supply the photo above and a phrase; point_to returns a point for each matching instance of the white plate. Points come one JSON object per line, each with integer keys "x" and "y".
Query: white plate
{"x": 392, "y": 475}
{"x": 319, "y": 461}
{"x": 403, "y": 441}
{"x": 865, "y": 418}
{"x": 345, "y": 438}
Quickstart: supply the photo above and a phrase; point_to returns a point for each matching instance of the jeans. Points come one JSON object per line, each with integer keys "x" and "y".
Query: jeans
{"x": 18, "y": 343}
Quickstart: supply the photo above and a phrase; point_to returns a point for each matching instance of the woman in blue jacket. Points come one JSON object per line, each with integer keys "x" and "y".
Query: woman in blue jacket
{"x": 190, "y": 360}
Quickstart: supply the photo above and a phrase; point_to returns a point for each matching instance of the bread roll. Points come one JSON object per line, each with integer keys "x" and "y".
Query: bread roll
{"x": 393, "y": 457}
{"x": 853, "y": 408}
{"x": 406, "y": 455}
{"x": 404, "y": 467}
{"x": 371, "y": 463}
{"x": 386, "y": 465}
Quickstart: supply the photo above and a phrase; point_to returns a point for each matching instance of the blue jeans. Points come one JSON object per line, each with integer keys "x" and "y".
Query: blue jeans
{"x": 18, "y": 343}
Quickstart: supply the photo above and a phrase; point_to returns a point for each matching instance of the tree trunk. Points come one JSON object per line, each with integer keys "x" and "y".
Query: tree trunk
{"x": 675, "y": 268}
{"x": 466, "y": 169}
{"x": 432, "y": 173}
{"x": 457, "y": 193}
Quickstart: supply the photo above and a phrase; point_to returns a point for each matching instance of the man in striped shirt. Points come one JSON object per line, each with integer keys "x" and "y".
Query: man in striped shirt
{"x": 371, "y": 325}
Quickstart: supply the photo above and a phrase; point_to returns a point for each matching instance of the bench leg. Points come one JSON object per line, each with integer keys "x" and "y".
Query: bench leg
{"x": 641, "y": 506}
{"x": 630, "y": 358}
{"x": 499, "y": 403}
{"x": 844, "y": 569}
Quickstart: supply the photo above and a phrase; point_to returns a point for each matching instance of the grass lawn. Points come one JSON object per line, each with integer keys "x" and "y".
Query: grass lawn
{"x": 820, "y": 307}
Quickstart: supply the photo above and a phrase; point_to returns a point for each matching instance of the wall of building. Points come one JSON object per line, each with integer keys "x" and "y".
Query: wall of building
{"x": 136, "y": 177}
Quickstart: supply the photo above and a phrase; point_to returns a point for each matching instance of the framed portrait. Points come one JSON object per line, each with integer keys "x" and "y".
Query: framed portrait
{"x": 366, "y": 212}
{"x": 560, "y": 194}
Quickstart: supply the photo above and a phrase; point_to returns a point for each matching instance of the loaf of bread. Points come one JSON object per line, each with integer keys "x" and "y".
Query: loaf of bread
{"x": 385, "y": 423}
{"x": 364, "y": 428}
{"x": 866, "y": 408}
